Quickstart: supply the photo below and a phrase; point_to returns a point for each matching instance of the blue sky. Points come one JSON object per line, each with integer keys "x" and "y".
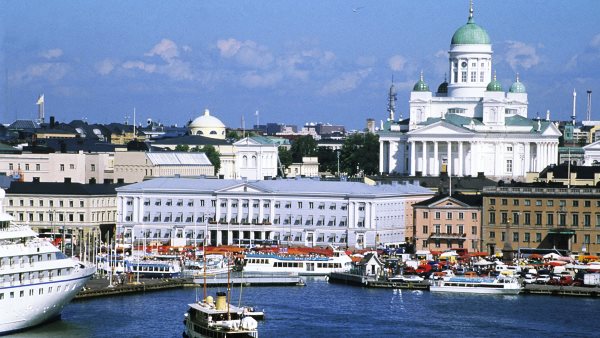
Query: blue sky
{"x": 293, "y": 61}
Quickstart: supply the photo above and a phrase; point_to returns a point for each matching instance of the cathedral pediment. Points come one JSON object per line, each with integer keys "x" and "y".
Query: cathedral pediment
{"x": 440, "y": 128}
{"x": 242, "y": 188}
{"x": 551, "y": 130}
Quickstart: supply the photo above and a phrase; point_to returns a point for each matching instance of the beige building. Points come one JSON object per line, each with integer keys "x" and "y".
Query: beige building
{"x": 308, "y": 168}
{"x": 131, "y": 166}
{"x": 541, "y": 217}
{"x": 444, "y": 222}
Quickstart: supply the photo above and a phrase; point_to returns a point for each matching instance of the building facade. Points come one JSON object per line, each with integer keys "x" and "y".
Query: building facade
{"x": 541, "y": 217}
{"x": 295, "y": 212}
{"x": 470, "y": 124}
{"x": 447, "y": 222}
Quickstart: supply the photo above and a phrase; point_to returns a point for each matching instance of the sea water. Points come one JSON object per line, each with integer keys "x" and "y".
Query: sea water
{"x": 321, "y": 309}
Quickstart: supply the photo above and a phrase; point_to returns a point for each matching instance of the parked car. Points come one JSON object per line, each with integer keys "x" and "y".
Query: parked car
{"x": 542, "y": 279}
{"x": 529, "y": 278}
{"x": 406, "y": 278}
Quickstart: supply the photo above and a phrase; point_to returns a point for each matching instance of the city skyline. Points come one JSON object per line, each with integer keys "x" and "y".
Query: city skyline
{"x": 292, "y": 62}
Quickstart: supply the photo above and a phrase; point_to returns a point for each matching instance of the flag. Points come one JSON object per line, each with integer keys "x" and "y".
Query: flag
{"x": 40, "y": 100}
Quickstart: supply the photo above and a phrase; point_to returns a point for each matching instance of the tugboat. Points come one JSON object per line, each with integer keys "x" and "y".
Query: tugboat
{"x": 218, "y": 319}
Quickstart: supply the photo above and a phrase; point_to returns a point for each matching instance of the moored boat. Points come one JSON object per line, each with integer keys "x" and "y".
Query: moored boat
{"x": 36, "y": 279}
{"x": 501, "y": 285}
{"x": 270, "y": 263}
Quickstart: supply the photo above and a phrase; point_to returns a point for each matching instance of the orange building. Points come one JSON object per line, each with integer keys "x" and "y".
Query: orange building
{"x": 445, "y": 222}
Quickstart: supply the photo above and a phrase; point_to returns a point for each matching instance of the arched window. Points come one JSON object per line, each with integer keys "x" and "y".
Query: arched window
{"x": 199, "y": 132}
{"x": 212, "y": 132}
{"x": 253, "y": 163}
{"x": 245, "y": 161}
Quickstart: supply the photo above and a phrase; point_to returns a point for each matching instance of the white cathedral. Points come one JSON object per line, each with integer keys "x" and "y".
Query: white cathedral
{"x": 470, "y": 125}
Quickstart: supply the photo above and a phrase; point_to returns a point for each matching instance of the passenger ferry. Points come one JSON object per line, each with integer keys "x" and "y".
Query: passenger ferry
{"x": 501, "y": 286}
{"x": 297, "y": 264}
{"x": 36, "y": 279}
{"x": 154, "y": 268}
{"x": 218, "y": 319}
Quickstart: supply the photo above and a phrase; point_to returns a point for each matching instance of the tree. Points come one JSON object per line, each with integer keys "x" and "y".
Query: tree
{"x": 327, "y": 160}
{"x": 182, "y": 147}
{"x": 360, "y": 153}
{"x": 285, "y": 157}
{"x": 213, "y": 156}
{"x": 302, "y": 147}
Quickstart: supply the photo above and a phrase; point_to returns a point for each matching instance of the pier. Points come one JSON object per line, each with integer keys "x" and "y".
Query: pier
{"x": 372, "y": 282}
{"x": 251, "y": 280}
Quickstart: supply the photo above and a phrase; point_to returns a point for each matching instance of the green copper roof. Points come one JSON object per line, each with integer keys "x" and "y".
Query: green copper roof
{"x": 494, "y": 86}
{"x": 421, "y": 86}
{"x": 470, "y": 34}
{"x": 517, "y": 87}
{"x": 443, "y": 88}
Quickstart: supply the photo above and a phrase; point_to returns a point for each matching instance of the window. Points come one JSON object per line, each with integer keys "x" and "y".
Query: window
{"x": 437, "y": 215}
{"x": 425, "y": 230}
{"x": 587, "y": 204}
{"x": 527, "y": 202}
{"x": 37, "y": 167}
{"x": 538, "y": 237}
{"x": 527, "y": 238}
{"x": 425, "y": 214}
{"x": 515, "y": 237}
{"x": 492, "y": 201}
{"x": 538, "y": 203}
{"x": 437, "y": 228}
{"x": 509, "y": 148}
{"x": 575, "y": 219}
{"x": 461, "y": 215}
{"x": 509, "y": 166}
{"x": 575, "y": 203}
{"x": 538, "y": 218}
{"x": 473, "y": 76}
{"x": 474, "y": 216}
{"x": 527, "y": 220}
{"x": 562, "y": 203}
{"x": 492, "y": 217}
{"x": 492, "y": 234}
{"x": 62, "y": 167}
{"x": 473, "y": 230}
{"x": 71, "y": 166}
{"x": 463, "y": 76}
{"x": 515, "y": 202}
{"x": 550, "y": 203}
{"x": 311, "y": 205}
{"x": 449, "y": 215}
{"x": 481, "y": 76}
{"x": 93, "y": 167}
{"x": 587, "y": 220}
{"x": 11, "y": 167}
{"x": 516, "y": 218}
{"x": 448, "y": 228}
{"x": 504, "y": 201}
{"x": 504, "y": 217}
{"x": 27, "y": 166}
{"x": 550, "y": 218}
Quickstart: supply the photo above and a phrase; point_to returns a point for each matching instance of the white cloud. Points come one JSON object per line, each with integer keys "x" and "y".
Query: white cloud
{"x": 177, "y": 70}
{"x": 51, "y": 53}
{"x": 254, "y": 80}
{"x": 595, "y": 43}
{"x": 520, "y": 54}
{"x": 397, "y": 62}
{"x": 49, "y": 71}
{"x": 146, "y": 67}
{"x": 105, "y": 66}
{"x": 247, "y": 53}
{"x": 166, "y": 49}
{"x": 345, "y": 82}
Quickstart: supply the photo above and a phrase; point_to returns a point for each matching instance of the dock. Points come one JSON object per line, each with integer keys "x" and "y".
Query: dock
{"x": 555, "y": 290}
{"x": 372, "y": 282}
{"x": 251, "y": 280}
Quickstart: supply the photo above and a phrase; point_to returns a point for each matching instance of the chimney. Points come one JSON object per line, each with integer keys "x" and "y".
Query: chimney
{"x": 589, "y": 105}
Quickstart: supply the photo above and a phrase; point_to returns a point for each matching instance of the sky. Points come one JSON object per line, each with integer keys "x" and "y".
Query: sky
{"x": 293, "y": 61}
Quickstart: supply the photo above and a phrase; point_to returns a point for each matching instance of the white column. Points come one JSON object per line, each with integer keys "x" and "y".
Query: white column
{"x": 261, "y": 210}
{"x": 474, "y": 156}
{"x": 527, "y": 159}
{"x": 272, "y": 214}
{"x": 514, "y": 159}
{"x": 381, "y": 156}
{"x": 228, "y": 216}
{"x": 461, "y": 160}
{"x": 449, "y": 160}
{"x": 436, "y": 163}
{"x": 413, "y": 156}
{"x": 424, "y": 169}
{"x": 239, "y": 210}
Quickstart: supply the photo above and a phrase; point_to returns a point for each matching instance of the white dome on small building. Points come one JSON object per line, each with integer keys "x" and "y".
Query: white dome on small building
{"x": 207, "y": 126}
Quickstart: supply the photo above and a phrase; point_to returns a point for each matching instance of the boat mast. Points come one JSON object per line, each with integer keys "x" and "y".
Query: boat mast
{"x": 204, "y": 255}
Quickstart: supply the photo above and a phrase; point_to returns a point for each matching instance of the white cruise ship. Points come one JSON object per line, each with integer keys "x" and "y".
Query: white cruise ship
{"x": 36, "y": 279}
{"x": 298, "y": 264}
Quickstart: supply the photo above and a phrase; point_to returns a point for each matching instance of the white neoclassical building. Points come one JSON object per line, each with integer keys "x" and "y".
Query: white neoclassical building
{"x": 470, "y": 124}
{"x": 184, "y": 211}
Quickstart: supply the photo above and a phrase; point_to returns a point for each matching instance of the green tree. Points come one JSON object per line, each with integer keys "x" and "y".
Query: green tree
{"x": 233, "y": 135}
{"x": 327, "y": 160}
{"x": 213, "y": 156}
{"x": 360, "y": 153}
{"x": 182, "y": 147}
{"x": 285, "y": 157}
{"x": 302, "y": 147}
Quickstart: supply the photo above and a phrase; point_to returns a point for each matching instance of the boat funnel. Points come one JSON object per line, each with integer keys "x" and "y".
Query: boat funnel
{"x": 221, "y": 301}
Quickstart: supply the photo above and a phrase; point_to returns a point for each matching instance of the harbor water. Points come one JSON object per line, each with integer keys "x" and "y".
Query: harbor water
{"x": 321, "y": 309}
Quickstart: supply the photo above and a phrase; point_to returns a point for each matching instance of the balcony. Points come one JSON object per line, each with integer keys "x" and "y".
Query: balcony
{"x": 443, "y": 235}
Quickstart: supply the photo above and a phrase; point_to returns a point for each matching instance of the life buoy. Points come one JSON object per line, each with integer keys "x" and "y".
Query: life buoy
{"x": 394, "y": 285}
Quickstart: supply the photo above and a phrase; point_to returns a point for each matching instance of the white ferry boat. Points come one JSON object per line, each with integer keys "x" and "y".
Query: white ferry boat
{"x": 36, "y": 279}
{"x": 220, "y": 319}
{"x": 501, "y": 286}
{"x": 313, "y": 265}
{"x": 146, "y": 268}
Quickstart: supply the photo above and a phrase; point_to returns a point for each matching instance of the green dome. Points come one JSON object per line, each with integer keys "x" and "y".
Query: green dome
{"x": 421, "y": 86}
{"x": 470, "y": 34}
{"x": 443, "y": 88}
{"x": 494, "y": 86}
{"x": 517, "y": 86}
